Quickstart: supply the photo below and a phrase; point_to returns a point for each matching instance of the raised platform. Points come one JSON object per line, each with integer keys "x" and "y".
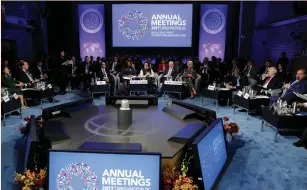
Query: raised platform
{"x": 151, "y": 128}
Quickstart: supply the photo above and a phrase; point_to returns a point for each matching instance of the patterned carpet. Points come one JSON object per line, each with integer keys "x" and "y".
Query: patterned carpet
{"x": 258, "y": 164}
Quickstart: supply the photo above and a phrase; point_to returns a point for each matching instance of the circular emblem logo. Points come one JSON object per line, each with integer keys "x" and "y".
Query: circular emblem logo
{"x": 89, "y": 177}
{"x": 213, "y": 21}
{"x": 91, "y": 21}
{"x": 125, "y": 28}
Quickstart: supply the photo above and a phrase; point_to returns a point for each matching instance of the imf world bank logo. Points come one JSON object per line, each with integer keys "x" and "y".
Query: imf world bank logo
{"x": 137, "y": 31}
{"x": 213, "y": 21}
{"x": 91, "y": 21}
{"x": 81, "y": 170}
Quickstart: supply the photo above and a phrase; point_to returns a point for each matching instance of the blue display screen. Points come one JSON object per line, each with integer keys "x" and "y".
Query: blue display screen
{"x": 212, "y": 154}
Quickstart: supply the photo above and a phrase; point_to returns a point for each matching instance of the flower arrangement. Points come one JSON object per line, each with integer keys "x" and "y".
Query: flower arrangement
{"x": 29, "y": 180}
{"x": 230, "y": 127}
{"x": 177, "y": 180}
{"x": 24, "y": 129}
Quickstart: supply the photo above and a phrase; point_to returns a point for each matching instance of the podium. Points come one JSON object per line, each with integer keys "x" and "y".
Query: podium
{"x": 173, "y": 87}
{"x": 138, "y": 86}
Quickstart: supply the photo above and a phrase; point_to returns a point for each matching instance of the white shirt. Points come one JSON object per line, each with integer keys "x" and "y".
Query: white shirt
{"x": 249, "y": 70}
{"x": 40, "y": 70}
{"x": 113, "y": 66}
{"x": 144, "y": 74}
{"x": 305, "y": 104}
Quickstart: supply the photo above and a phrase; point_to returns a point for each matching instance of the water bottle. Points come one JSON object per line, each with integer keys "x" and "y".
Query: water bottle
{"x": 214, "y": 84}
{"x": 92, "y": 82}
{"x": 294, "y": 107}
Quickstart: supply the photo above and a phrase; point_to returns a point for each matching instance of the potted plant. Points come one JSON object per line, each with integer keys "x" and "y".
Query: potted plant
{"x": 31, "y": 180}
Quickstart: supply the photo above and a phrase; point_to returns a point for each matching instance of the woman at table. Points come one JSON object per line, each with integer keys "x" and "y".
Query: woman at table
{"x": 189, "y": 76}
{"x": 13, "y": 86}
{"x": 146, "y": 71}
{"x": 128, "y": 71}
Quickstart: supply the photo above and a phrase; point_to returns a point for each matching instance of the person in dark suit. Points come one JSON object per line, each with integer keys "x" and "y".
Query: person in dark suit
{"x": 189, "y": 76}
{"x": 25, "y": 75}
{"x": 62, "y": 72}
{"x": 171, "y": 72}
{"x": 104, "y": 74}
{"x": 238, "y": 80}
{"x": 281, "y": 73}
{"x": 299, "y": 86}
{"x": 12, "y": 85}
{"x": 303, "y": 140}
{"x": 115, "y": 66}
{"x": 251, "y": 72}
{"x": 271, "y": 81}
{"x": 86, "y": 72}
{"x": 39, "y": 71}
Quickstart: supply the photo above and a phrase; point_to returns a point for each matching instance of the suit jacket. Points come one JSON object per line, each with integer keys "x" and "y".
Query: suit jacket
{"x": 117, "y": 67}
{"x": 23, "y": 77}
{"x": 36, "y": 72}
{"x": 173, "y": 74}
{"x": 128, "y": 71}
{"x": 242, "y": 82}
{"x": 186, "y": 72}
{"x": 101, "y": 75}
{"x": 253, "y": 72}
{"x": 82, "y": 68}
{"x": 299, "y": 87}
{"x": 275, "y": 83}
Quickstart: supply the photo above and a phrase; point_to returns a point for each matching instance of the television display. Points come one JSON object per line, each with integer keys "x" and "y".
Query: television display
{"x": 212, "y": 153}
{"x": 152, "y": 25}
{"x": 99, "y": 170}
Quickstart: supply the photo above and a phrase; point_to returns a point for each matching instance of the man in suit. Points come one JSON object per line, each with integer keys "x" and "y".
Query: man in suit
{"x": 39, "y": 71}
{"x": 171, "y": 72}
{"x": 104, "y": 74}
{"x": 115, "y": 66}
{"x": 62, "y": 72}
{"x": 25, "y": 76}
{"x": 238, "y": 81}
{"x": 251, "y": 72}
{"x": 303, "y": 140}
{"x": 271, "y": 80}
{"x": 86, "y": 72}
{"x": 299, "y": 86}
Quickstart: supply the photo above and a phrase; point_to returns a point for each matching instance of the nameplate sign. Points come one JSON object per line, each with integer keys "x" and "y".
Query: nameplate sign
{"x": 211, "y": 87}
{"x": 43, "y": 88}
{"x": 100, "y": 83}
{"x": 6, "y": 98}
{"x": 240, "y": 93}
{"x": 49, "y": 86}
{"x": 246, "y": 96}
{"x": 138, "y": 82}
{"x": 15, "y": 96}
{"x": 179, "y": 83}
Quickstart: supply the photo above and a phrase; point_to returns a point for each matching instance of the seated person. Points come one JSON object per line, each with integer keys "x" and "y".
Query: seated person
{"x": 38, "y": 71}
{"x": 282, "y": 74}
{"x": 189, "y": 76}
{"x": 104, "y": 74}
{"x": 162, "y": 66}
{"x": 146, "y": 71}
{"x": 128, "y": 71}
{"x": 270, "y": 80}
{"x": 170, "y": 72}
{"x": 25, "y": 75}
{"x": 303, "y": 141}
{"x": 238, "y": 81}
{"x": 299, "y": 86}
{"x": 13, "y": 85}
{"x": 264, "y": 70}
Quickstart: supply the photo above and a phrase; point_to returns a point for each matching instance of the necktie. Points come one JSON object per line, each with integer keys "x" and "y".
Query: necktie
{"x": 267, "y": 80}
{"x": 169, "y": 72}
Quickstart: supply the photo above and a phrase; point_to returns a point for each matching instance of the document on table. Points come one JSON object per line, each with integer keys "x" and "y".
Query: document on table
{"x": 128, "y": 78}
{"x": 222, "y": 89}
{"x": 260, "y": 96}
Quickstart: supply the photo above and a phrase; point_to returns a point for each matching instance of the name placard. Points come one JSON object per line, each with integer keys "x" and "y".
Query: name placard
{"x": 240, "y": 93}
{"x": 138, "y": 82}
{"x": 246, "y": 96}
{"x": 49, "y": 86}
{"x": 15, "y": 96}
{"x": 179, "y": 83}
{"x": 211, "y": 87}
{"x": 6, "y": 98}
{"x": 100, "y": 83}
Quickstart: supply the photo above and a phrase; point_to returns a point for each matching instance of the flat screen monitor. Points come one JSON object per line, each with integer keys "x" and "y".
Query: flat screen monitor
{"x": 101, "y": 170}
{"x": 152, "y": 25}
{"x": 212, "y": 153}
